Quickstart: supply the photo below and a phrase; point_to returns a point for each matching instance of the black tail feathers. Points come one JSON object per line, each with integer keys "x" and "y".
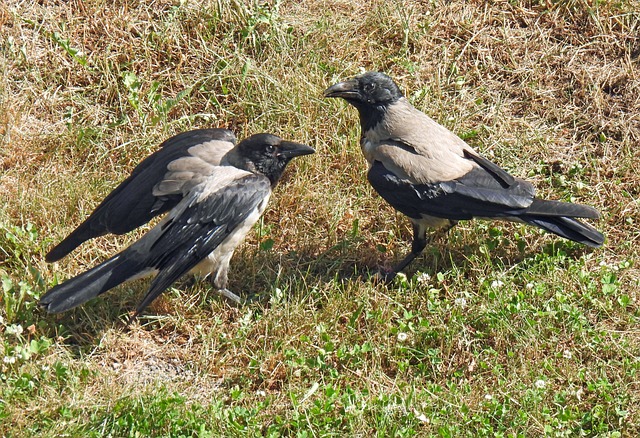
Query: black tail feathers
{"x": 90, "y": 284}
{"x": 541, "y": 207}
{"x": 560, "y": 218}
{"x": 569, "y": 228}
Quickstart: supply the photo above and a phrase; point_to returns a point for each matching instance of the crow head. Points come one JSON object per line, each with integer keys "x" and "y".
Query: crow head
{"x": 371, "y": 93}
{"x": 370, "y": 88}
{"x": 269, "y": 154}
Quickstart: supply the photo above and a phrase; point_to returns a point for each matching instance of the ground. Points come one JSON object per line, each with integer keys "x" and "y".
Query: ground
{"x": 498, "y": 330}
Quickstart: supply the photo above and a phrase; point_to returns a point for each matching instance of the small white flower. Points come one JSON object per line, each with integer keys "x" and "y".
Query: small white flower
{"x": 394, "y": 408}
{"x": 488, "y": 397}
{"x": 567, "y": 354}
{"x": 496, "y": 284}
{"x": 530, "y": 286}
{"x": 424, "y": 278}
{"x": 540, "y": 384}
{"x": 420, "y": 416}
{"x": 9, "y": 359}
{"x": 402, "y": 336}
{"x": 461, "y": 302}
{"x": 15, "y": 329}
{"x": 261, "y": 393}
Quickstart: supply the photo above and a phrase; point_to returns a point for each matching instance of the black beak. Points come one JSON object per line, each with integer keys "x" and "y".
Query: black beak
{"x": 289, "y": 149}
{"x": 346, "y": 89}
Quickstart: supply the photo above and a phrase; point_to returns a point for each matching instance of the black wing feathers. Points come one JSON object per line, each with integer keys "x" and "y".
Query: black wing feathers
{"x": 187, "y": 239}
{"x": 401, "y": 194}
{"x": 480, "y": 194}
{"x": 481, "y": 185}
{"x": 181, "y": 244}
{"x": 498, "y": 172}
{"x": 132, "y": 203}
{"x": 477, "y": 193}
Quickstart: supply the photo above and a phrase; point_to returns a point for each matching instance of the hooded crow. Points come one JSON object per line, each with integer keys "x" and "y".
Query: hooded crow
{"x": 436, "y": 179}
{"x": 136, "y": 201}
{"x": 212, "y": 208}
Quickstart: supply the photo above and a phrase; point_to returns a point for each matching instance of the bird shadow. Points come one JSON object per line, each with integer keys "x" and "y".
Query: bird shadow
{"x": 346, "y": 261}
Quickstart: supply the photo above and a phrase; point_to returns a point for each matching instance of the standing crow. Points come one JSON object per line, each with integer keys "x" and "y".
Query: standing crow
{"x": 212, "y": 208}
{"x": 431, "y": 175}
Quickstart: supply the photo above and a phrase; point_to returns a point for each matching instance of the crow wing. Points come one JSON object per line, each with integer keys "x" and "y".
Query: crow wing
{"x": 478, "y": 193}
{"x": 211, "y": 213}
{"x": 136, "y": 200}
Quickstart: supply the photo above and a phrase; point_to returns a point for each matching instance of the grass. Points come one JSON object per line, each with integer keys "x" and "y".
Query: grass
{"x": 501, "y": 330}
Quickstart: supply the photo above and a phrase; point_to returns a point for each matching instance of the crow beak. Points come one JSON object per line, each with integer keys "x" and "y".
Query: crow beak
{"x": 289, "y": 149}
{"x": 346, "y": 89}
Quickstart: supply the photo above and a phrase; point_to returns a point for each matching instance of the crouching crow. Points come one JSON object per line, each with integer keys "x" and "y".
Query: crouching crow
{"x": 431, "y": 175}
{"x": 214, "y": 193}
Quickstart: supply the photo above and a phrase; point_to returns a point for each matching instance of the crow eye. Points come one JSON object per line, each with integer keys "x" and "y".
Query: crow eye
{"x": 369, "y": 87}
{"x": 271, "y": 148}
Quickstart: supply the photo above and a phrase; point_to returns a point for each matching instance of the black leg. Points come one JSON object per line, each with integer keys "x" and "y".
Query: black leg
{"x": 417, "y": 246}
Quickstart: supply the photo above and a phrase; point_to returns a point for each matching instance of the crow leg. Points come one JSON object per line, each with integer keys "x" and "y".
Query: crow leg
{"x": 219, "y": 282}
{"x": 417, "y": 246}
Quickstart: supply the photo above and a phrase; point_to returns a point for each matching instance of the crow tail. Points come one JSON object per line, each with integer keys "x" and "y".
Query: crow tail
{"x": 569, "y": 228}
{"x": 78, "y": 290}
{"x": 560, "y": 218}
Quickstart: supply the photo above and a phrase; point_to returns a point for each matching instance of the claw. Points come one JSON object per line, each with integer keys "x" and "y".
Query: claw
{"x": 384, "y": 276}
{"x": 235, "y": 299}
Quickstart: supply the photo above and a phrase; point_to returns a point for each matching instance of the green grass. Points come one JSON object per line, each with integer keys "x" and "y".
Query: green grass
{"x": 499, "y": 330}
